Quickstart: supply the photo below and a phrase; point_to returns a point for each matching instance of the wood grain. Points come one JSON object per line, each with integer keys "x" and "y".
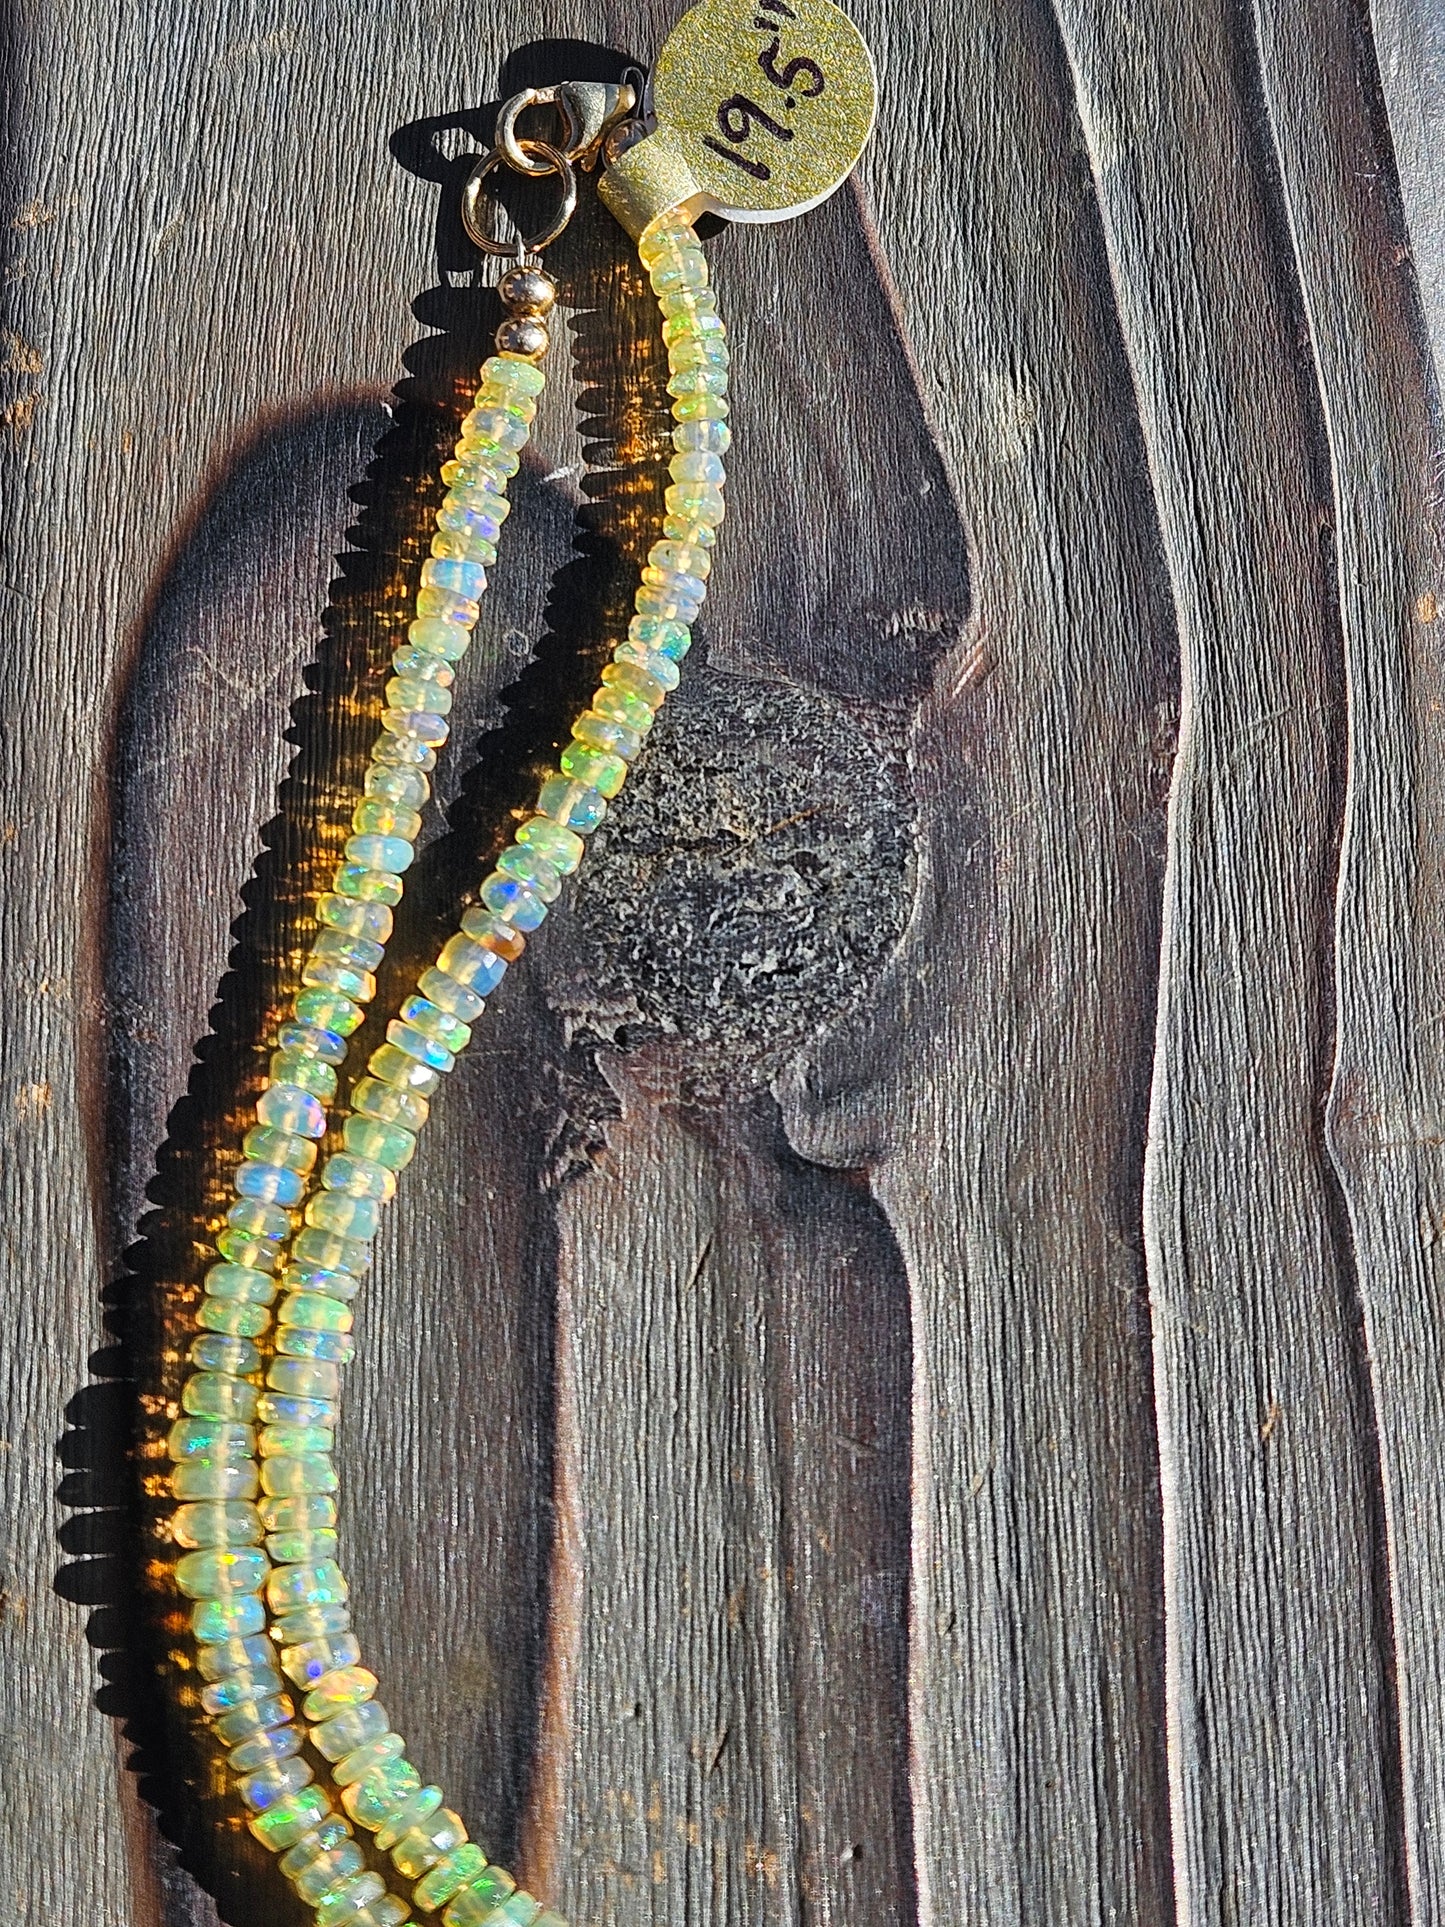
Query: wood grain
{"x": 1377, "y": 385}
{"x": 919, "y": 1406}
{"x": 1279, "y": 1682}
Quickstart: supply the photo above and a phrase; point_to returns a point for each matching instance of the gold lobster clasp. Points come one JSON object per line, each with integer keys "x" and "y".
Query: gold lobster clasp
{"x": 589, "y": 109}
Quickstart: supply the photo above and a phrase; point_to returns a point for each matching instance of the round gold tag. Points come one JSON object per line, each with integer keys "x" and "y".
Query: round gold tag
{"x": 763, "y": 108}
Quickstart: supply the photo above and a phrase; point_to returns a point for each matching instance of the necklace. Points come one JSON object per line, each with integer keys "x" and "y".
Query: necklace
{"x": 253, "y": 1474}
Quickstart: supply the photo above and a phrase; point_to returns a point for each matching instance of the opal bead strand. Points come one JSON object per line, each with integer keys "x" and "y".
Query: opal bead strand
{"x": 219, "y": 1521}
{"x": 304, "y": 1587}
{"x": 514, "y": 900}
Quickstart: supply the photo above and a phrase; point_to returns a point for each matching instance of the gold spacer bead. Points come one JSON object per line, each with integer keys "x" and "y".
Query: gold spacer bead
{"x": 525, "y": 335}
{"x": 527, "y": 291}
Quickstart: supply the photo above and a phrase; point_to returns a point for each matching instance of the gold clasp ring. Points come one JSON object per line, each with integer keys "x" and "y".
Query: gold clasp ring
{"x": 551, "y": 160}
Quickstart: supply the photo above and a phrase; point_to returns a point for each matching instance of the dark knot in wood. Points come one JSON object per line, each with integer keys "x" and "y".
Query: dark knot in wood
{"x": 750, "y": 890}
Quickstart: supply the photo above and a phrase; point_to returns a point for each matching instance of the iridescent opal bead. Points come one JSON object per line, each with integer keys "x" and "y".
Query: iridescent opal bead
{"x": 311, "y": 1622}
{"x": 344, "y": 1686}
{"x": 601, "y": 733}
{"x": 400, "y": 1069}
{"x": 234, "y": 1618}
{"x": 595, "y": 768}
{"x": 301, "y": 1548}
{"x": 240, "y": 1284}
{"x": 216, "y": 1523}
{"x": 268, "y": 1784}
{"x": 286, "y": 1477}
{"x": 234, "y": 1319}
{"x": 236, "y": 1689}
{"x": 292, "y": 1111}
{"x": 420, "y": 1013}
{"x": 472, "y": 964}
{"x": 349, "y": 1729}
{"x": 479, "y": 1900}
{"x": 371, "y": 886}
{"x": 661, "y": 669}
{"x": 302, "y": 1378}
{"x": 210, "y": 1441}
{"x": 450, "y": 996}
{"x": 423, "y": 1844}
{"x": 205, "y": 1478}
{"x": 233, "y": 1656}
{"x": 632, "y": 679}
{"x": 271, "y": 1748}
{"x": 218, "y": 1395}
{"x": 415, "y": 1043}
{"x": 213, "y": 1352}
{"x": 332, "y": 1832}
{"x": 371, "y": 920}
{"x": 328, "y": 1869}
{"x": 324, "y": 1008}
{"x": 371, "y": 1797}
{"x": 273, "y": 1182}
{"x": 384, "y": 1751}
{"x": 348, "y": 1897}
{"x": 408, "y": 1813}
{"x": 311, "y": 1661}
{"x": 291, "y": 1819}
{"x": 388, "y": 1144}
{"x": 562, "y": 848}
{"x": 252, "y": 1716}
{"x": 298, "y": 1341}
{"x": 528, "y": 865}
{"x": 452, "y": 1872}
{"x": 308, "y": 1512}
{"x": 221, "y": 1570}
{"x": 374, "y": 1098}
{"x": 573, "y": 805}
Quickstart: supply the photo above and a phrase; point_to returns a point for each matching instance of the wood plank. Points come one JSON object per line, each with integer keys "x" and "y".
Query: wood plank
{"x": 745, "y": 1682}
{"x": 737, "y": 1576}
{"x": 998, "y": 1081}
{"x": 1380, "y": 400}
{"x": 1281, "y": 1739}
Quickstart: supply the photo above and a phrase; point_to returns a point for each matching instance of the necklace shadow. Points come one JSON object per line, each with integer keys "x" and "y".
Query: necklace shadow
{"x": 214, "y": 671}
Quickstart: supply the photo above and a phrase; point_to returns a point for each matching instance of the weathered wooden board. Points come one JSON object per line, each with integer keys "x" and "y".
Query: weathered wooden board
{"x": 903, "y": 1386}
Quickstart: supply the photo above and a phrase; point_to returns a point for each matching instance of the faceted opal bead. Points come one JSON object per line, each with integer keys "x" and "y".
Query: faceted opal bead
{"x": 326, "y": 1870}
{"x": 332, "y": 1832}
{"x": 268, "y": 1784}
{"x": 212, "y": 1352}
{"x": 335, "y": 1691}
{"x": 291, "y": 1818}
{"x": 231, "y": 1618}
{"x": 408, "y": 1813}
{"x": 223, "y": 1570}
{"x": 452, "y": 1872}
{"x": 388, "y": 1144}
{"x": 422, "y": 1846}
{"x": 310, "y": 1622}
{"x": 233, "y": 1656}
{"x": 218, "y": 1395}
{"x": 311, "y": 1661}
{"x": 480, "y": 1899}
{"x": 219, "y": 1522}
{"x": 574, "y": 805}
{"x": 560, "y": 847}
{"x": 343, "y": 1731}
{"x": 347, "y": 1898}
{"x": 371, "y": 1797}
{"x": 271, "y": 1748}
